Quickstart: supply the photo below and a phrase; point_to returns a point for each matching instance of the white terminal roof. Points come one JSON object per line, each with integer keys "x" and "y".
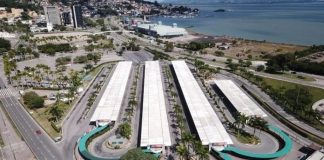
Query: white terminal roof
{"x": 239, "y": 99}
{"x": 163, "y": 30}
{"x": 112, "y": 98}
{"x": 317, "y": 155}
{"x": 155, "y": 127}
{"x": 209, "y": 127}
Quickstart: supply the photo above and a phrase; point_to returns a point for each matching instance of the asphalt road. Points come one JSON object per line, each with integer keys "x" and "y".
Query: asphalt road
{"x": 97, "y": 146}
{"x": 270, "y": 118}
{"x": 41, "y": 145}
{"x": 77, "y": 122}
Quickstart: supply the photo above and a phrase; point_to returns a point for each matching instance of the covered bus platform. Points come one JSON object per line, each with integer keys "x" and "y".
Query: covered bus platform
{"x": 238, "y": 99}
{"x": 207, "y": 124}
{"x": 155, "y": 133}
{"x": 111, "y": 101}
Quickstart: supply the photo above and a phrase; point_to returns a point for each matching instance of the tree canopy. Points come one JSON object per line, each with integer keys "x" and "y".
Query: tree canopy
{"x": 137, "y": 154}
{"x": 33, "y": 100}
{"x": 292, "y": 61}
{"x": 4, "y": 44}
{"x": 125, "y": 130}
{"x": 51, "y": 49}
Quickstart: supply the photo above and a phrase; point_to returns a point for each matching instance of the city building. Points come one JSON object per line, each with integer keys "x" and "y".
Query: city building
{"x": 155, "y": 133}
{"x": 200, "y": 113}
{"x": 66, "y": 18}
{"x": 77, "y": 16}
{"x": 160, "y": 30}
{"x": 234, "y": 96}
{"x": 52, "y": 15}
{"x": 110, "y": 103}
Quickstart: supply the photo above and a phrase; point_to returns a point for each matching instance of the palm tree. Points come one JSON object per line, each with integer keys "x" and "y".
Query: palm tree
{"x": 173, "y": 94}
{"x": 253, "y": 123}
{"x": 200, "y": 150}
{"x": 182, "y": 151}
{"x": 187, "y": 138}
{"x": 240, "y": 121}
{"x": 132, "y": 103}
{"x": 56, "y": 112}
{"x": 129, "y": 114}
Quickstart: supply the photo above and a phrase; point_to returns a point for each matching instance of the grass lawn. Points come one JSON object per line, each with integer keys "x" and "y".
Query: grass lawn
{"x": 1, "y": 142}
{"x": 244, "y": 137}
{"x": 317, "y": 93}
{"x": 248, "y": 139}
{"x": 296, "y": 76}
{"x": 42, "y": 117}
{"x": 299, "y": 77}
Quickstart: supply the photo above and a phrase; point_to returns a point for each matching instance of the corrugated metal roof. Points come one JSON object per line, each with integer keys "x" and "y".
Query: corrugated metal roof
{"x": 209, "y": 127}
{"x": 155, "y": 127}
{"x": 111, "y": 100}
{"x": 239, "y": 99}
{"x": 163, "y": 30}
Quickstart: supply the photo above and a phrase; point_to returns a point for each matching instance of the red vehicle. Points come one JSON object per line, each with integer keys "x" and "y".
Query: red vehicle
{"x": 38, "y": 132}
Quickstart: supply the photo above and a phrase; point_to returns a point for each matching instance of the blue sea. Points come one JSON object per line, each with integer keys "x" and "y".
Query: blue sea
{"x": 293, "y": 23}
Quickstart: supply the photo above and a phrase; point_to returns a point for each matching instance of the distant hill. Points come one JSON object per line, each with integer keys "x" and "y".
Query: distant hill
{"x": 233, "y": 1}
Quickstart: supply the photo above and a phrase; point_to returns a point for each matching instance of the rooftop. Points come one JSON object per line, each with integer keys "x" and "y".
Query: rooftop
{"x": 210, "y": 129}
{"x": 155, "y": 127}
{"x": 317, "y": 155}
{"x": 163, "y": 30}
{"x": 112, "y": 98}
{"x": 239, "y": 99}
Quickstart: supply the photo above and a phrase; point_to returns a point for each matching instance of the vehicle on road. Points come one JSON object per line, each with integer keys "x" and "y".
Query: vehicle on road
{"x": 39, "y": 132}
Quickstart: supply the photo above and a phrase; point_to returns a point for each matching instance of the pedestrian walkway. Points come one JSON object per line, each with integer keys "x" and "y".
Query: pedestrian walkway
{"x": 242, "y": 153}
{"x": 83, "y": 144}
{"x": 8, "y": 92}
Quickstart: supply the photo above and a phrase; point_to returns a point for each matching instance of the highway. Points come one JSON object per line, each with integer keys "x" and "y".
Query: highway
{"x": 254, "y": 89}
{"x": 41, "y": 145}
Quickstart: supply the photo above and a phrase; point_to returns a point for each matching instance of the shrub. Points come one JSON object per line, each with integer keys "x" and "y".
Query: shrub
{"x": 51, "y": 49}
{"x": 137, "y": 154}
{"x": 33, "y": 100}
{"x": 5, "y": 44}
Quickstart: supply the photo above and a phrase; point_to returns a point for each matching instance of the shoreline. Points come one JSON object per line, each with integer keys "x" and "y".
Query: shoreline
{"x": 202, "y": 36}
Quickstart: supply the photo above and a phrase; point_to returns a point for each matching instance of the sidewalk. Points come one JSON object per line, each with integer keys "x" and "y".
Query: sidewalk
{"x": 15, "y": 147}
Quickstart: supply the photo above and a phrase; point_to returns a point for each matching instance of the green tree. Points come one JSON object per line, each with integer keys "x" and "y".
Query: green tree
{"x": 257, "y": 123}
{"x": 260, "y": 68}
{"x": 169, "y": 47}
{"x": 182, "y": 151}
{"x": 201, "y": 151}
{"x": 5, "y": 44}
{"x": 57, "y": 111}
{"x": 137, "y": 154}
{"x": 33, "y": 100}
{"x": 100, "y": 22}
{"x": 125, "y": 130}
{"x": 219, "y": 53}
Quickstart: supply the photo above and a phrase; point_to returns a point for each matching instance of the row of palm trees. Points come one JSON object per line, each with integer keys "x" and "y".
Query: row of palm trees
{"x": 297, "y": 100}
{"x": 188, "y": 146}
{"x": 130, "y": 110}
{"x": 191, "y": 147}
{"x": 241, "y": 120}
